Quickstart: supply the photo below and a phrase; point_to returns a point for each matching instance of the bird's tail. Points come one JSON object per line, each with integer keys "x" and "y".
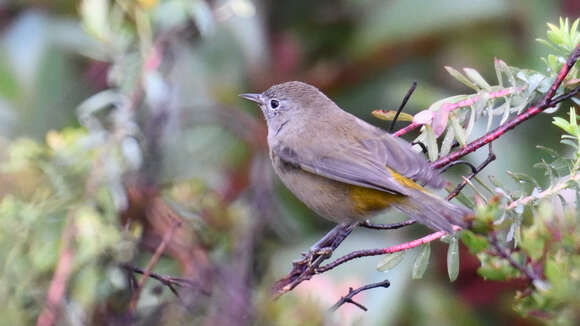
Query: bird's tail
{"x": 433, "y": 211}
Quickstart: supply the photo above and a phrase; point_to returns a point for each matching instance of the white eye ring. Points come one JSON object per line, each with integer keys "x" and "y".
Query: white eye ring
{"x": 274, "y": 104}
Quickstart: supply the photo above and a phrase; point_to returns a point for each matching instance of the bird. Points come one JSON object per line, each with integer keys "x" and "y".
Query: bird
{"x": 345, "y": 169}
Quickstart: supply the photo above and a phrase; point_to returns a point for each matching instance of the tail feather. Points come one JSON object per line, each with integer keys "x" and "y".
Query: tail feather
{"x": 433, "y": 211}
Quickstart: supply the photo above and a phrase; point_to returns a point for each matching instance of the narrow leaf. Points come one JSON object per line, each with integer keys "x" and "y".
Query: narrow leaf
{"x": 422, "y": 261}
{"x": 431, "y": 143}
{"x": 390, "y": 115}
{"x": 453, "y": 259}
{"x": 476, "y": 77}
{"x": 458, "y": 130}
{"x": 390, "y": 261}
{"x": 461, "y": 78}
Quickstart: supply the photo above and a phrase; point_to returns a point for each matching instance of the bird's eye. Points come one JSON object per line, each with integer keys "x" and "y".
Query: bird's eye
{"x": 274, "y": 104}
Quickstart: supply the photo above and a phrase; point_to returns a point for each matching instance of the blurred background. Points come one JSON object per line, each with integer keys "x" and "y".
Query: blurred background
{"x": 118, "y": 118}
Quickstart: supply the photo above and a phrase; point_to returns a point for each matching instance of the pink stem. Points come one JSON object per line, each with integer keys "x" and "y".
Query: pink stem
{"x": 454, "y": 106}
{"x": 414, "y": 243}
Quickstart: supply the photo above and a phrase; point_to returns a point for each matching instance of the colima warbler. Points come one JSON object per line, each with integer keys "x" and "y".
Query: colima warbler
{"x": 343, "y": 168}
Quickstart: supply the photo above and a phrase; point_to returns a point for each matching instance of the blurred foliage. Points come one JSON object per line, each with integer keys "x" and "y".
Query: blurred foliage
{"x": 120, "y": 124}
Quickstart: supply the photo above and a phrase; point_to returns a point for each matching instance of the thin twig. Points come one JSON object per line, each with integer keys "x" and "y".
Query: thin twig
{"x": 151, "y": 264}
{"x": 460, "y": 162}
{"x": 412, "y": 126}
{"x": 352, "y": 293}
{"x": 57, "y": 289}
{"x": 531, "y": 275}
{"x": 382, "y": 251}
{"x": 423, "y": 147}
{"x": 169, "y": 281}
{"x": 405, "y": 99}
{"x": 490, "y": 158}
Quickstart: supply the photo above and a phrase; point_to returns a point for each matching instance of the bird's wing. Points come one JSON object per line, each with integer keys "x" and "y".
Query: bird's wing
{"x": 350, "y": 163}
{"x": 363, "y": 161}
{"x": 399, "y": 155}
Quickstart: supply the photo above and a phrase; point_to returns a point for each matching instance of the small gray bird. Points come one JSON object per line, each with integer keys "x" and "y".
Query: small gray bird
{"x": 343, "y": 168}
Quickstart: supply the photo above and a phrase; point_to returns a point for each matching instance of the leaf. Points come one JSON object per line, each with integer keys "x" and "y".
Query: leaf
{"x": 458, "y": 130}
{"x": 502, "y": 68}
{"x": 476, "y": 77}
{"x": 495, "y": 181}
{"x": 461, "y": 78}
{"x": 447, "y": 142}
{"x": 522, "y": 178}
{"x": 471, "y": 122}
{"x": 431, "y": 143}
{"x": 453, "y": 259}
{"x": 421, "y": 262}
{"x": 390, "y": 115}
{"x": 546, "y": 43}
{"x": 390, "y": 261}
{"x": 476, "y": 243}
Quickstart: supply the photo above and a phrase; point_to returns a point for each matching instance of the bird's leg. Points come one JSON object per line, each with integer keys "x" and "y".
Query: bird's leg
{"x": 330, "y": 241}
{"x": 335, "y": 237}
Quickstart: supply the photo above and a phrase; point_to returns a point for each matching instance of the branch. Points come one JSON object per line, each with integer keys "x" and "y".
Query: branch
{"x": 58, "y": 285}
{"x": 454, "y": 106}
{"x": 352, "y": 293}
{"x": 304, "y": 268}
{"x": 543, "y": 194}
{"x": 490, "y": 158}
{"x": 405, "y": 99}
{"x": 382, "y": 251}
{"x": 170, "y": 281}
{"x": 546, "y": 102}
{"x": 151, "y": 264}
{"x": 530, "y": 274}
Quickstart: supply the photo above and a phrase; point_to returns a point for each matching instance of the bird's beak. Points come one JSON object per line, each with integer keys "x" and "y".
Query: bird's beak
{"x": 257, "y": 98}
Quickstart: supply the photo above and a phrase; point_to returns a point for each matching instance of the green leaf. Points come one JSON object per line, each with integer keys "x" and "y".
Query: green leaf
{"x": 453, "y": 259}
{"x": 422, "y": 261}
{"x": 447, "y": 142}
{"x": 431, "y": 143}
{"x": 546, "y": 43}
{"x": 461, "y": 78}
{"x": 476, "y": 243}
{"x": 458, "y": 130}
{"x": 476, "y": 77}
{"x": 522, "y": 178}
{"x": 390, "y": 261}
{"x": 495, "y": 268}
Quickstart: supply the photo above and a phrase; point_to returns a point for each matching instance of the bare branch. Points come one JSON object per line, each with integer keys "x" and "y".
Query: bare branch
{"x": 352, "y": 293}
{"x": 152, "y": 262}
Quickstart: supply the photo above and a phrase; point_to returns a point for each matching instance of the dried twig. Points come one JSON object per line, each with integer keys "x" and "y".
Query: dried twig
{"x": 151, "y": 264}
{"x": 170, "y": 281}
{"x": 490, "y": 158}
{"x": 352, "y": 293}
{"x": 403, "y": 103}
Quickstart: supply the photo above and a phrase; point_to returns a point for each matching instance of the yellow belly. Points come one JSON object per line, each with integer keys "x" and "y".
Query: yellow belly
{"x": 367, "y": 200}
